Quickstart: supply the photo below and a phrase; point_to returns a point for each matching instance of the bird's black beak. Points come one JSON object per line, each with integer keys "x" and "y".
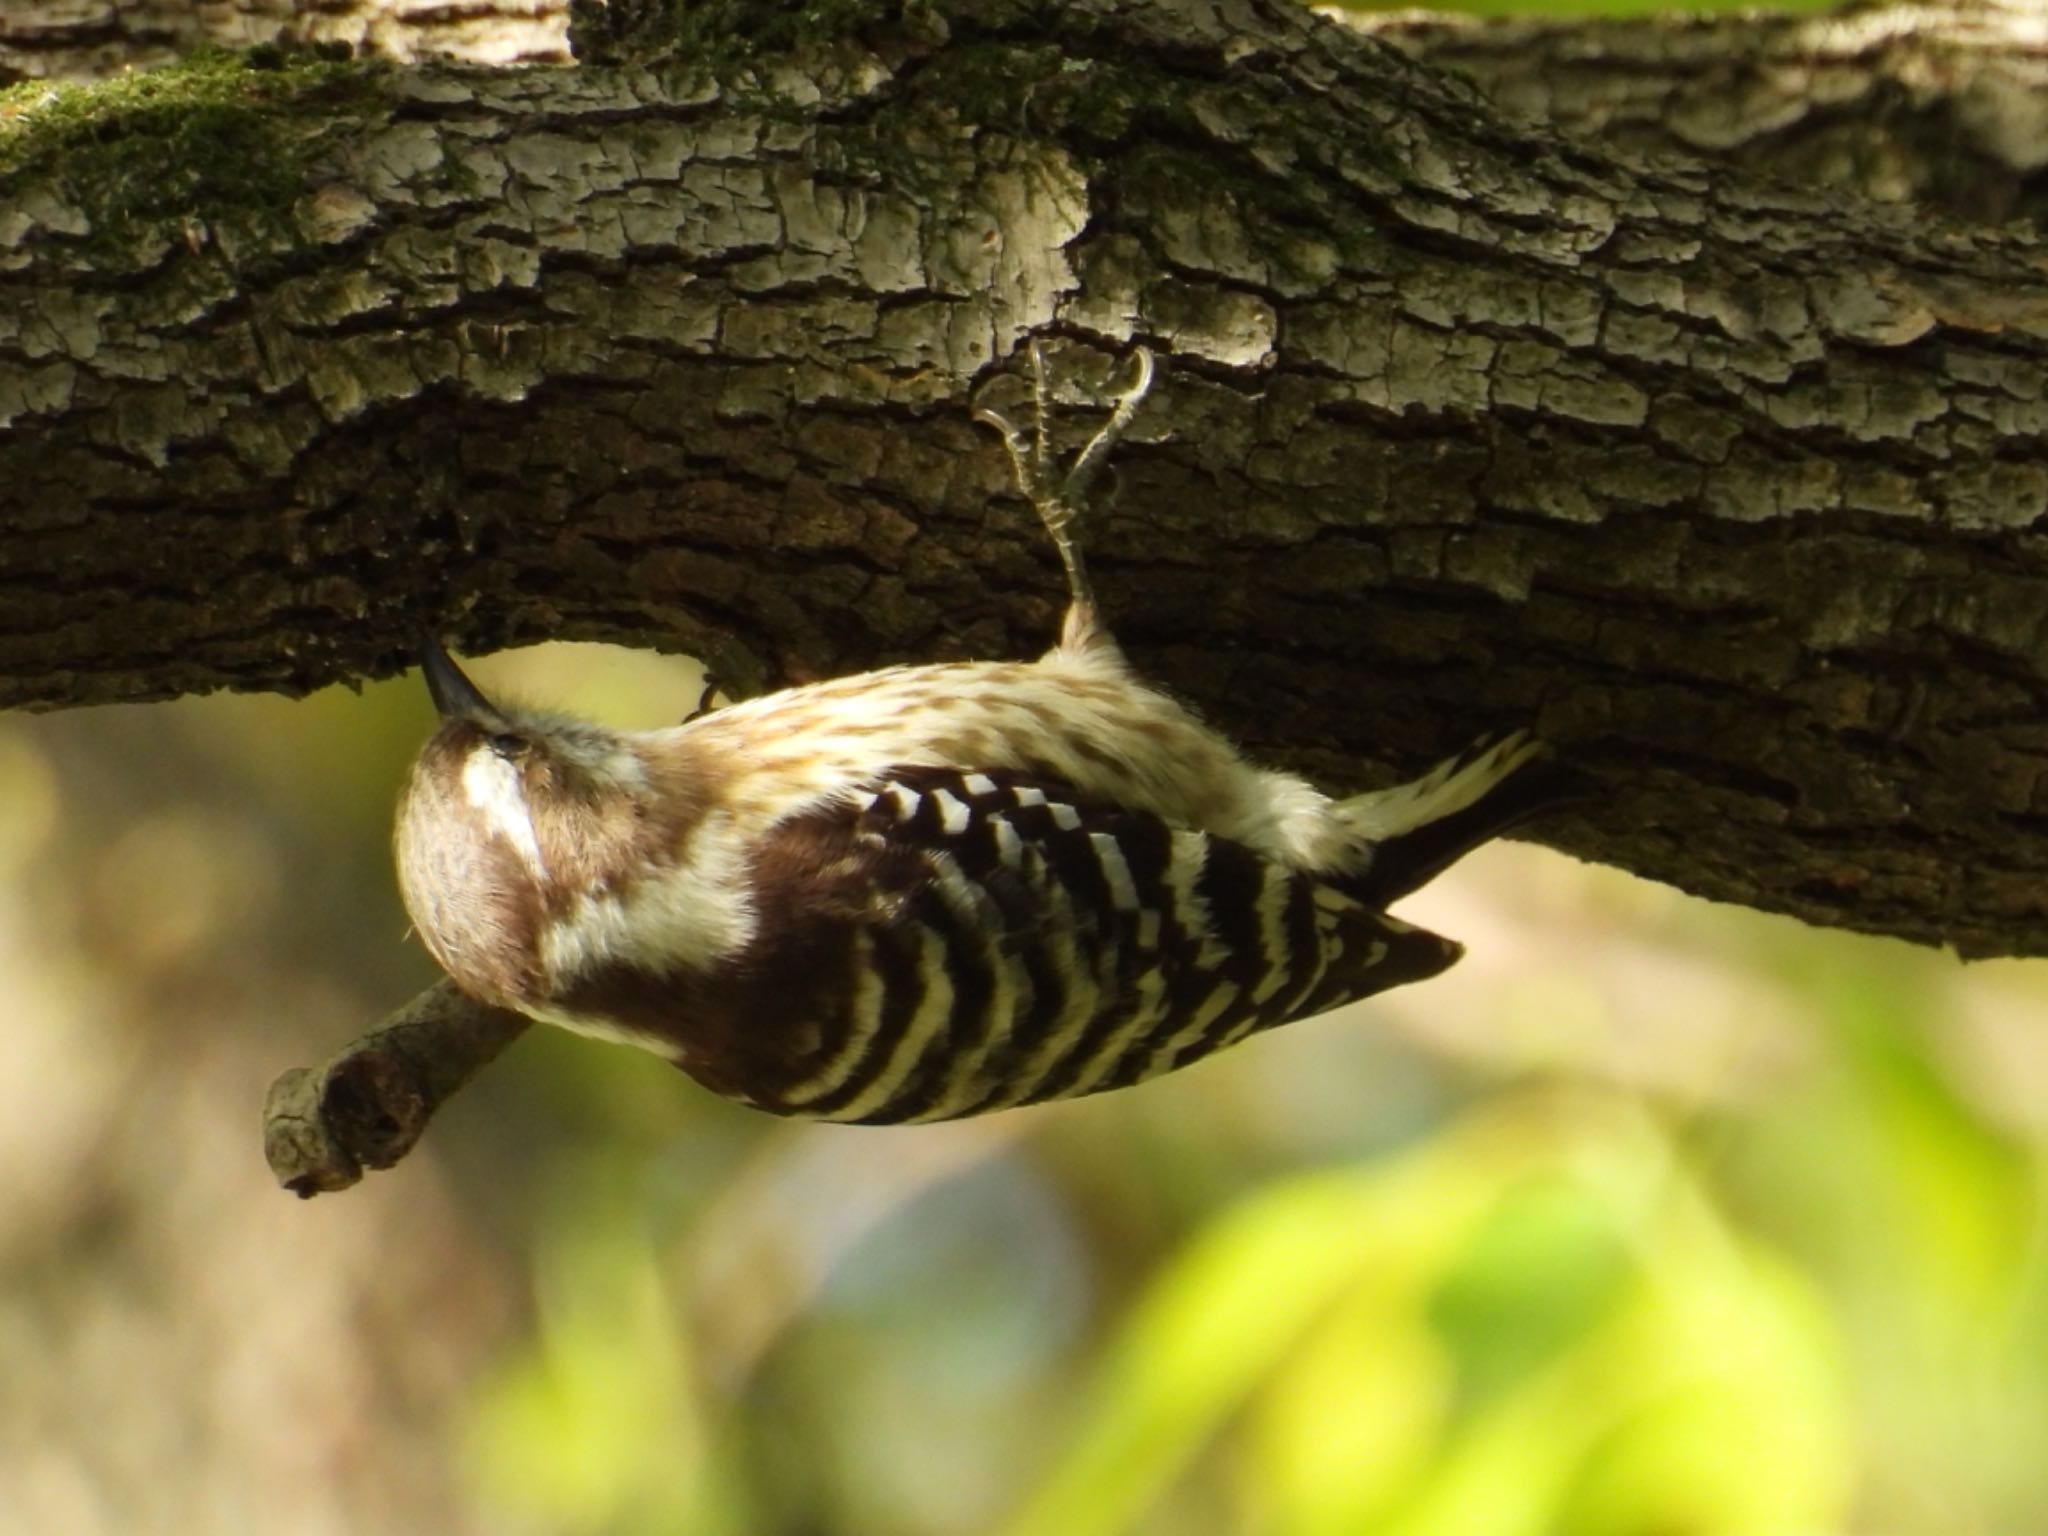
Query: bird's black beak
{"x": 454, "y": 695}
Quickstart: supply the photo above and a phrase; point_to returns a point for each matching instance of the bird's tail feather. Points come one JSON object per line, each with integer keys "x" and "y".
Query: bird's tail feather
{"x": 1421, "y": 828}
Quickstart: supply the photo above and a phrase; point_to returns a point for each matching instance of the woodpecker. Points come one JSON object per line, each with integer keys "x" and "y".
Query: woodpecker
{"x": 931, "y": 891}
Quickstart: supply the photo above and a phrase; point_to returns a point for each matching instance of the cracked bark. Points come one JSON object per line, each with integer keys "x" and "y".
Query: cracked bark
{"x": 91, "y": 39}
{"x": 1945, "y": 106}
{"x": 1730, "y": 483}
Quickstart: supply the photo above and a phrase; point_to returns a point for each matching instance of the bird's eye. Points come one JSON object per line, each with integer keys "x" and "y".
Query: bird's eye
{"x": 506, "y": 744}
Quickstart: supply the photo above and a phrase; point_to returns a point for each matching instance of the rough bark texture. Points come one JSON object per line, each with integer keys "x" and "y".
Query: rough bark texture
{"x": 1731, "y": 486}
{"x": 1943, "y": 106}
{"x": 91, "y": 39}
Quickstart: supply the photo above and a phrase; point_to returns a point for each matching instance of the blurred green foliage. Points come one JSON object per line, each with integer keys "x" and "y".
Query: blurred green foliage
{"x": 1649, "y": 1218}
{"x": 1534, "y": 1321}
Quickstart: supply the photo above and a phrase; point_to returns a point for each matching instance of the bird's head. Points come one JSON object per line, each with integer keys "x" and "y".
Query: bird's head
{"x": 510, "y": 819}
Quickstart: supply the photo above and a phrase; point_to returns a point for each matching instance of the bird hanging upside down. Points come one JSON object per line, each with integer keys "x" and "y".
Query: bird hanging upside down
{"x": 928, "y": 891}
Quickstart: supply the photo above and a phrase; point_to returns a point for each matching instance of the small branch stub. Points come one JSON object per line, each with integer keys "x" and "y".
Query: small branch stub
{"x": 324, "y": 1127}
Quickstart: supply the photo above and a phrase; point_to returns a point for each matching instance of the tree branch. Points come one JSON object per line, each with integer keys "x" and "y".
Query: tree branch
{"x": 1732, "y": 488}
{"x": 1942, "y": 105}
{"x": 93, "y": 39}
{"x": 367, "y": 1107}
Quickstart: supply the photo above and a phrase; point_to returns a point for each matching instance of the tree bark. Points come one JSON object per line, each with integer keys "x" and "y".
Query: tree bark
{"x": 93, "y": 39}
{"x": 1941, "y": 105}
{"x": 1731, "y": 486}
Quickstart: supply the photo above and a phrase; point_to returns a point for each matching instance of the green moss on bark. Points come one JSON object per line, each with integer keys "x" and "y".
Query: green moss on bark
{"x": 219, "y": 137}
{"x": 713, "y": 35}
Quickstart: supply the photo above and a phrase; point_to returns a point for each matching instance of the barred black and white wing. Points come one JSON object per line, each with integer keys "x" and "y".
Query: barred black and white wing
{"x": 952, "y": 943}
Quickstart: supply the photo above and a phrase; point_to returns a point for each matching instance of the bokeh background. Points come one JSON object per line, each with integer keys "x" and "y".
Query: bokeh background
{"x": 1652, "y": 1217}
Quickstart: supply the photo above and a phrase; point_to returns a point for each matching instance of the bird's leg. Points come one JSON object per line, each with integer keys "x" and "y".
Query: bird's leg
{"x": 1081, "y": 478}
{"x": 1059, "y": 503}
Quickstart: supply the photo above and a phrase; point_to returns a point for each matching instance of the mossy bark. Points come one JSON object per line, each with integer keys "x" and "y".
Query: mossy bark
{"x": 1731, "y": 486}
{"x": 94, "y": 40}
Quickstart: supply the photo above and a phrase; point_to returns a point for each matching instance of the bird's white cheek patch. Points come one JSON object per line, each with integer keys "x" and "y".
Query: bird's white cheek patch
{"x": 492, "y": 787}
